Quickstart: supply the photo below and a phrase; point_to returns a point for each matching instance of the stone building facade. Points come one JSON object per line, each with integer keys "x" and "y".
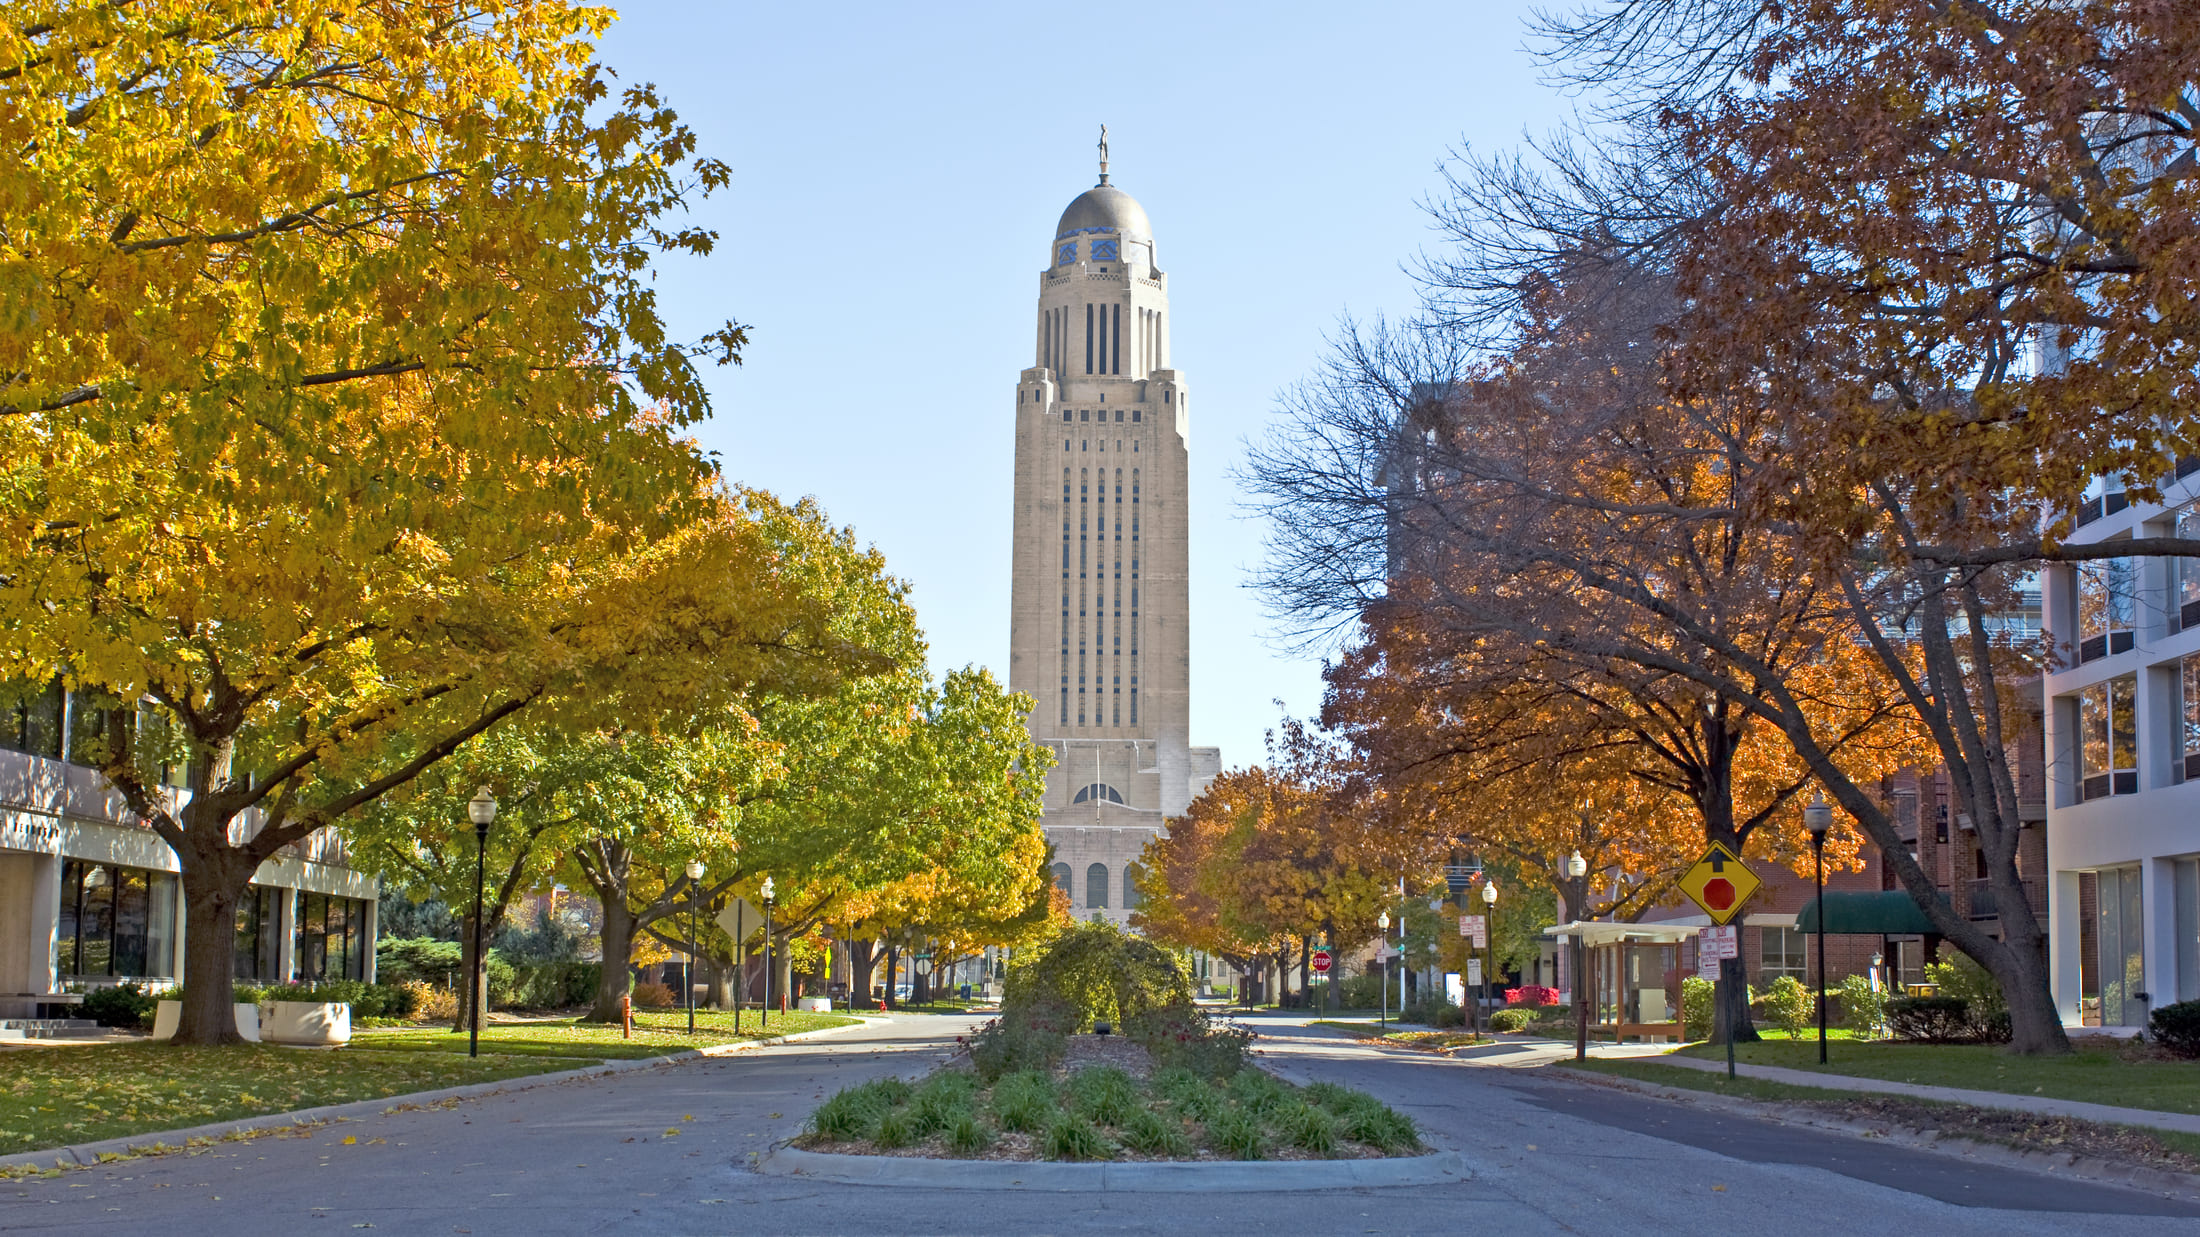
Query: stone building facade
{"x": 1099, "y": 633}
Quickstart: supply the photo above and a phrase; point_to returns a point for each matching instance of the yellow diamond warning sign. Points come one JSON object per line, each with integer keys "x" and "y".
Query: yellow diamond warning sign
{"x": 1719, "y": 883}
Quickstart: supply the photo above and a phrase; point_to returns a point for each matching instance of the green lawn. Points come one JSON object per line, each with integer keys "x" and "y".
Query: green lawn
{"x": 2100, "y": 1074}
{"x": 50, "y": 1097}
{"x": 656, "y": 1033}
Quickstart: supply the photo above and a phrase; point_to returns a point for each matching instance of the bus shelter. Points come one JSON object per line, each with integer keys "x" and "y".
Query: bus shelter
{"x": 1632, "y": 975}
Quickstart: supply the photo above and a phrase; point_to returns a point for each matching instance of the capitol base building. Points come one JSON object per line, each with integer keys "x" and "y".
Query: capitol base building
{"x": 1099, "y": 633}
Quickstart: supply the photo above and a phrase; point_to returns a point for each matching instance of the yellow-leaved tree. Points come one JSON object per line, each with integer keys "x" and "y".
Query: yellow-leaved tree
{"x": 336, "y": 419}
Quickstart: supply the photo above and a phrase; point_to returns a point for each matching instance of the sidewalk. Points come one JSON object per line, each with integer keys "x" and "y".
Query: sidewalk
{"x": 2038, "y": 1105}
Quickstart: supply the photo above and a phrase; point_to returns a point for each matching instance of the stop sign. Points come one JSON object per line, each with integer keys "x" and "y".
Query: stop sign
{"x": 1718, "y": 893}
{"x": 1321, "y": 962}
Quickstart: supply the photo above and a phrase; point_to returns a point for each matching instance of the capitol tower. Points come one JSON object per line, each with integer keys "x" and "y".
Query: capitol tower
{"x": 1099, "y": 629}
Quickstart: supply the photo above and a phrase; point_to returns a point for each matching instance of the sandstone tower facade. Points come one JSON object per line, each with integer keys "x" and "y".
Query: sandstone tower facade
{"x": 1100, "y": 625}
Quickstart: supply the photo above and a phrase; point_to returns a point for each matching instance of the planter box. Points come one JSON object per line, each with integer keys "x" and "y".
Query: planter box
{"x": 306, "y": 1022}
{"x": 168, "y": 1014}
{"x": 814, "y": 1004}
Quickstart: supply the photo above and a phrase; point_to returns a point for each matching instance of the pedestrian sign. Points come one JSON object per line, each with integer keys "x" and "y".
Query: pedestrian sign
{"x": 1719, "y": 883}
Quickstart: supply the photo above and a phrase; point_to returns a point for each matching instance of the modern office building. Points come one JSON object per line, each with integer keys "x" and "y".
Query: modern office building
{"x": 2123, "y": 746}
{"x": 1100, "y": 623}
{"x": 89, "y": 895}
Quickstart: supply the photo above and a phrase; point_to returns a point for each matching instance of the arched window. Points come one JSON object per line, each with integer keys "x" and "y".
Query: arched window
{"x": 1130, "y": 887}
{"x": 1098, "y": 792}
{"x": 1096, "y": 886}
{"x": 1061, "y": 879}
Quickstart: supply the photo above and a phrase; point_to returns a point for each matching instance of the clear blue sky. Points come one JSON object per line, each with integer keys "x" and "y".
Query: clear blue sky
{"x": 897, "y": 172}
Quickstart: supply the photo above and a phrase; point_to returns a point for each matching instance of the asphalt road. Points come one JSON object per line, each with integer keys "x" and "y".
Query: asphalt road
{"x": 598, "y": 1156}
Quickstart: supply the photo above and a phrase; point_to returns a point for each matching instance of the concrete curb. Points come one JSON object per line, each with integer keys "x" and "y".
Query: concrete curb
{"x": 2182, "y": 1186}
{"x": 156, "y": 1142}
{"x": 1157, "y": 1177}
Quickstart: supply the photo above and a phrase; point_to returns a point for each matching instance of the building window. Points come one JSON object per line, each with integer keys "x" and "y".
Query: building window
{"x": 1779, "y": 952}
{"x": 2189, "y": 688}
{"x": 258, "y": 939}
{"x": 115, "y": 922}
{"x": 2187, "y": 571}
{"x": 1137, "y": 413}
{"x": 2108, "y": 607}
{"x": 30, "y": 719}
{"x": 2108, "y": 739}
{"x": 1098, "y": 792}
{"x": 1061, "y": 879}
{"x": 1131, "y": 899}
{"x": 1096, "y": 886}
{"x": 330, "y": 939}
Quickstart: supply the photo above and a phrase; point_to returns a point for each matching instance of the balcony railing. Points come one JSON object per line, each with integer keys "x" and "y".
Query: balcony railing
{"x": 1979, "y": 897}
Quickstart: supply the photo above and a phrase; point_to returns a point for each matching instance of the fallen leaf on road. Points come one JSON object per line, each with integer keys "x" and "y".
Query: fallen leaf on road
{"x": 775, "y": 1116}
{"x": 351, "y": 1140}
{"x": 687, "y": 1116}
{"x": 1718, "y": 1189}
{"x": 671, "y": 1132}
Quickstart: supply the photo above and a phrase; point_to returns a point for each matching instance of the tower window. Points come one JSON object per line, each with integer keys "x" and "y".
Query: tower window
{"x": 1115, "y": 355}
{"x": 1088, "y": 338}
{"x": 1118, "y": 414}
{"x": 1065, "y": 414}
{"x": 1136, "y": 413}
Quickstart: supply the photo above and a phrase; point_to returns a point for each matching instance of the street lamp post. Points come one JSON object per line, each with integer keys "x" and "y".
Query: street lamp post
{"x": 695, "y": 886}
{"x": 767, "y": 892}
{"x": 1489, "y": 938}
{"x": 482, "y": 808}
{"x": 1577, "y": 868}
{"x": 1382, "y": 936}
{"x": 1818, "y": 819}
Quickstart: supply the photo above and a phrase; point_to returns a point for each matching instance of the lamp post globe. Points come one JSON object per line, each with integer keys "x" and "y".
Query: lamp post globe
{"x": 687, "y": 969}
{"x": 1818, "y": 820}
{"x": 482, "y": 810}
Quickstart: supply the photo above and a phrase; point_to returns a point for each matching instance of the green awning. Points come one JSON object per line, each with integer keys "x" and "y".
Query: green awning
{"x": 1890, "y": 913}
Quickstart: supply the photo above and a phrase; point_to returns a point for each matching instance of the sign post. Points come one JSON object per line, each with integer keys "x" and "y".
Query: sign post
{"x": 1720, "y": 883}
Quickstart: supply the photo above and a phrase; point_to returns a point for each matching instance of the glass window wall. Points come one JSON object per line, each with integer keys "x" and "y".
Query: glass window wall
{"x": 115, "y": 922}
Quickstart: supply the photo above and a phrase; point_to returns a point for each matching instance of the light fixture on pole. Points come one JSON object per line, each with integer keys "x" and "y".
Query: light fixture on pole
{"x": 1489, "y": 950}
{"x": 1382, "y": 935}
{"x": 1818, "y": 819}
{"x": 1578, "y": 890}
{"x": 687, "y": 971}
{"x": 482, "y": 809}
{"x": 767, "y": 892}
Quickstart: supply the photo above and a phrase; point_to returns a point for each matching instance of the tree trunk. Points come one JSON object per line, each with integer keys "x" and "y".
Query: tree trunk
{"x": 893, "y": 973}
{"x": 618, "y": 947}
{"x": 213, "y": 886}
{"x": 782, "y": 977}
{"x": 1730, "y": 1004}
{"x": 862, "y": 960}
